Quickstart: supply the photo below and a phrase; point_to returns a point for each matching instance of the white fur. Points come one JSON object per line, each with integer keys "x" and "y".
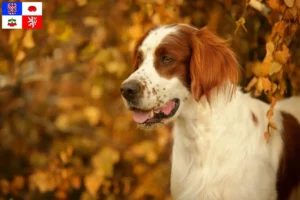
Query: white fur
{"x": 219, "y": 152}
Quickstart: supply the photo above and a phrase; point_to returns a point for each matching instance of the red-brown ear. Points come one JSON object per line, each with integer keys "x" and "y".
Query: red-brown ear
{"x": 212, "y": 64}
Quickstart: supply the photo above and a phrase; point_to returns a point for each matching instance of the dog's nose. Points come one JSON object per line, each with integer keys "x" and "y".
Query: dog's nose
{"x": 130, "y": 89}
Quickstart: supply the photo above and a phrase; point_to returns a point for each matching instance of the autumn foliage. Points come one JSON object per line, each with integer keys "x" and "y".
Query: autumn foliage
{"x": 64, "y": 131}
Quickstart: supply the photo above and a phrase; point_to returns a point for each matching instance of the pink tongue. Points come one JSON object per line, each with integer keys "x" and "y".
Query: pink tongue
{"x": 141, "y": 116}
{"x": 168, "y": 107}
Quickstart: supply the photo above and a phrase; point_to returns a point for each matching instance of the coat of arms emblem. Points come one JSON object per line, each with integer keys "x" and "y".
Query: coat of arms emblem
{"x": 12, "y": 8}
{"x": 12, "y": 22}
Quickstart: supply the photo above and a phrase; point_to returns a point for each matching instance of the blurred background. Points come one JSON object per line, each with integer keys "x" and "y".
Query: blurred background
{"x": 64, "y": 131}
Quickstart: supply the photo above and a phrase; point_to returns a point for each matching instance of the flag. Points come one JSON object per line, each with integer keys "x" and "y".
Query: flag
{"x": 22, "y": 15}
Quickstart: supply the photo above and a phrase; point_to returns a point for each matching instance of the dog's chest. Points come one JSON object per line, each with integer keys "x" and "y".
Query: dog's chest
{"x": 222, "y": 168}
{"x": 204, "y": 176}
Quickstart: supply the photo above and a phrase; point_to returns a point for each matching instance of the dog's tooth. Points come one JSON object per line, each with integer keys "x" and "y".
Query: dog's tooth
{"x": 151, "y": 114}
{"x": 157, "y": 111}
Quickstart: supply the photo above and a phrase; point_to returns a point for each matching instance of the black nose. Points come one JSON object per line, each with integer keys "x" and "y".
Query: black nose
{"x": 130, "y": 89}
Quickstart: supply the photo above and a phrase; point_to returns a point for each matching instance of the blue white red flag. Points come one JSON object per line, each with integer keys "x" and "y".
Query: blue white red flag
{"x": 22, "y": 15}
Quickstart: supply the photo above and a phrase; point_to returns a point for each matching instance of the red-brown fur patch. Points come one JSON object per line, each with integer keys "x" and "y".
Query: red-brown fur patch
{"x": 175, "y": 46}
{"x": 288, "y": 176}
{"x": 212, "y": 64}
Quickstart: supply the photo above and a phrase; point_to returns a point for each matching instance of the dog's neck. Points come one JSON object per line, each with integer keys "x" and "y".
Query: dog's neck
{"x": 202, "y": 123}
{"x": 207, "y": 114}
{"x": 196, "y": 130}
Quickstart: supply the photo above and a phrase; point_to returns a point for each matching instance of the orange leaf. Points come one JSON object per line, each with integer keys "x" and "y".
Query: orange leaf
{"x": 289, "y": 3}
{"x": 297, "y": 4}
{"x": 267, "y": 136}
{"x": 273, "y": 102}
{"x": 279, "y": 27}
{"x": 274, "y": 4}
{"x": 266, "y": 85}
{"x": 274, "y": 87}
{"x": 282, "y": 87}
{"x": 282, "y": 56}
{"x": 259, "y": 85}
{"x": 265, "y": 68}
{"x": 251, "y": 84}
{"x": 272, "y": 126}
{"x": 270, "y": 113}
{"x": 274, "y": 68}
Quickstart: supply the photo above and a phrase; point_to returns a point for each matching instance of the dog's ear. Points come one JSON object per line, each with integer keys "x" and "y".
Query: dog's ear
{"x": 212, "y": 64}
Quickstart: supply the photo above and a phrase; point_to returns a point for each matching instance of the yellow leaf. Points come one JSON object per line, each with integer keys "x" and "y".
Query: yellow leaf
{"x": 15, "y": 35}
{"x": 274, "y": 68}
{"x": 294, "y": 12}
{"x": 139, "y": 169}
{"x": 267, "y": 85}
{"x": 259, "y": 85}
{"x": 4, "y": 66}
{"x": 256, "y": 68}
{"x": 76, "y": 182}
{"x": 265, "y": 68}
{"x": 240, "y": 23}
{"x": 96, "y": 92}
{"x": 44, "y": 181}
{"x": 51, "y": 28}
{"x": 91, "y": 21}
{"x": 274, "y": 87}
{"x": 20, "y": 56}
{"x": 272, "y": 126}
{"x": 279, "y": 27}
{"x": 282, "y": 87}
{"x": 66, "y": 34}
{"x": 274, "y": 4}
{"x": 28, "y": 41}
{"x": 92, "y": 114}
{"x": 81, "y": 2}
{"x": 92, "y": 183}
{"x": 289, "y": 3}
{"x": 270, "y": 48}
{"x": 156, "y": 19}
{"x": 62, "y": 121}
{"x": 273, "y": 102}
{"x": 251, "y": 84}
{"x": 297, "y": 4}
{"x": 151, "y": 157}
{"x": 135, "y": 31}
{"x": 105, "y": 160}
{"x": 270, "y": 113}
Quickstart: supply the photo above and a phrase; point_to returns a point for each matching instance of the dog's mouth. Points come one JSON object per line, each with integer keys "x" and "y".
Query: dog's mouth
{"x": 157, "y": 115}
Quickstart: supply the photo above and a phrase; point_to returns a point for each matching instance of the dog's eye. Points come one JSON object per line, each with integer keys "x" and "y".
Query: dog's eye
{"x": 166, "y": 60}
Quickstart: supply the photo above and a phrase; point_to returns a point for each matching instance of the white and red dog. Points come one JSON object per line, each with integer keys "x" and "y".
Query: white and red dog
{"x": 189, "y": 76}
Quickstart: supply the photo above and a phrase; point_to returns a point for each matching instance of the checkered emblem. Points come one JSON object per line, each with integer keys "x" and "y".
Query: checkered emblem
{"x": 12, "y": 8}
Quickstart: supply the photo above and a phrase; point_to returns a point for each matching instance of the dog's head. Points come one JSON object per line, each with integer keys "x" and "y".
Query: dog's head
{"x": 171, "y": 65}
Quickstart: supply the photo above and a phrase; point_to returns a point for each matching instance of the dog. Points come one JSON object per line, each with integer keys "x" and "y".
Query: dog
{"x": 189, "y": 76}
